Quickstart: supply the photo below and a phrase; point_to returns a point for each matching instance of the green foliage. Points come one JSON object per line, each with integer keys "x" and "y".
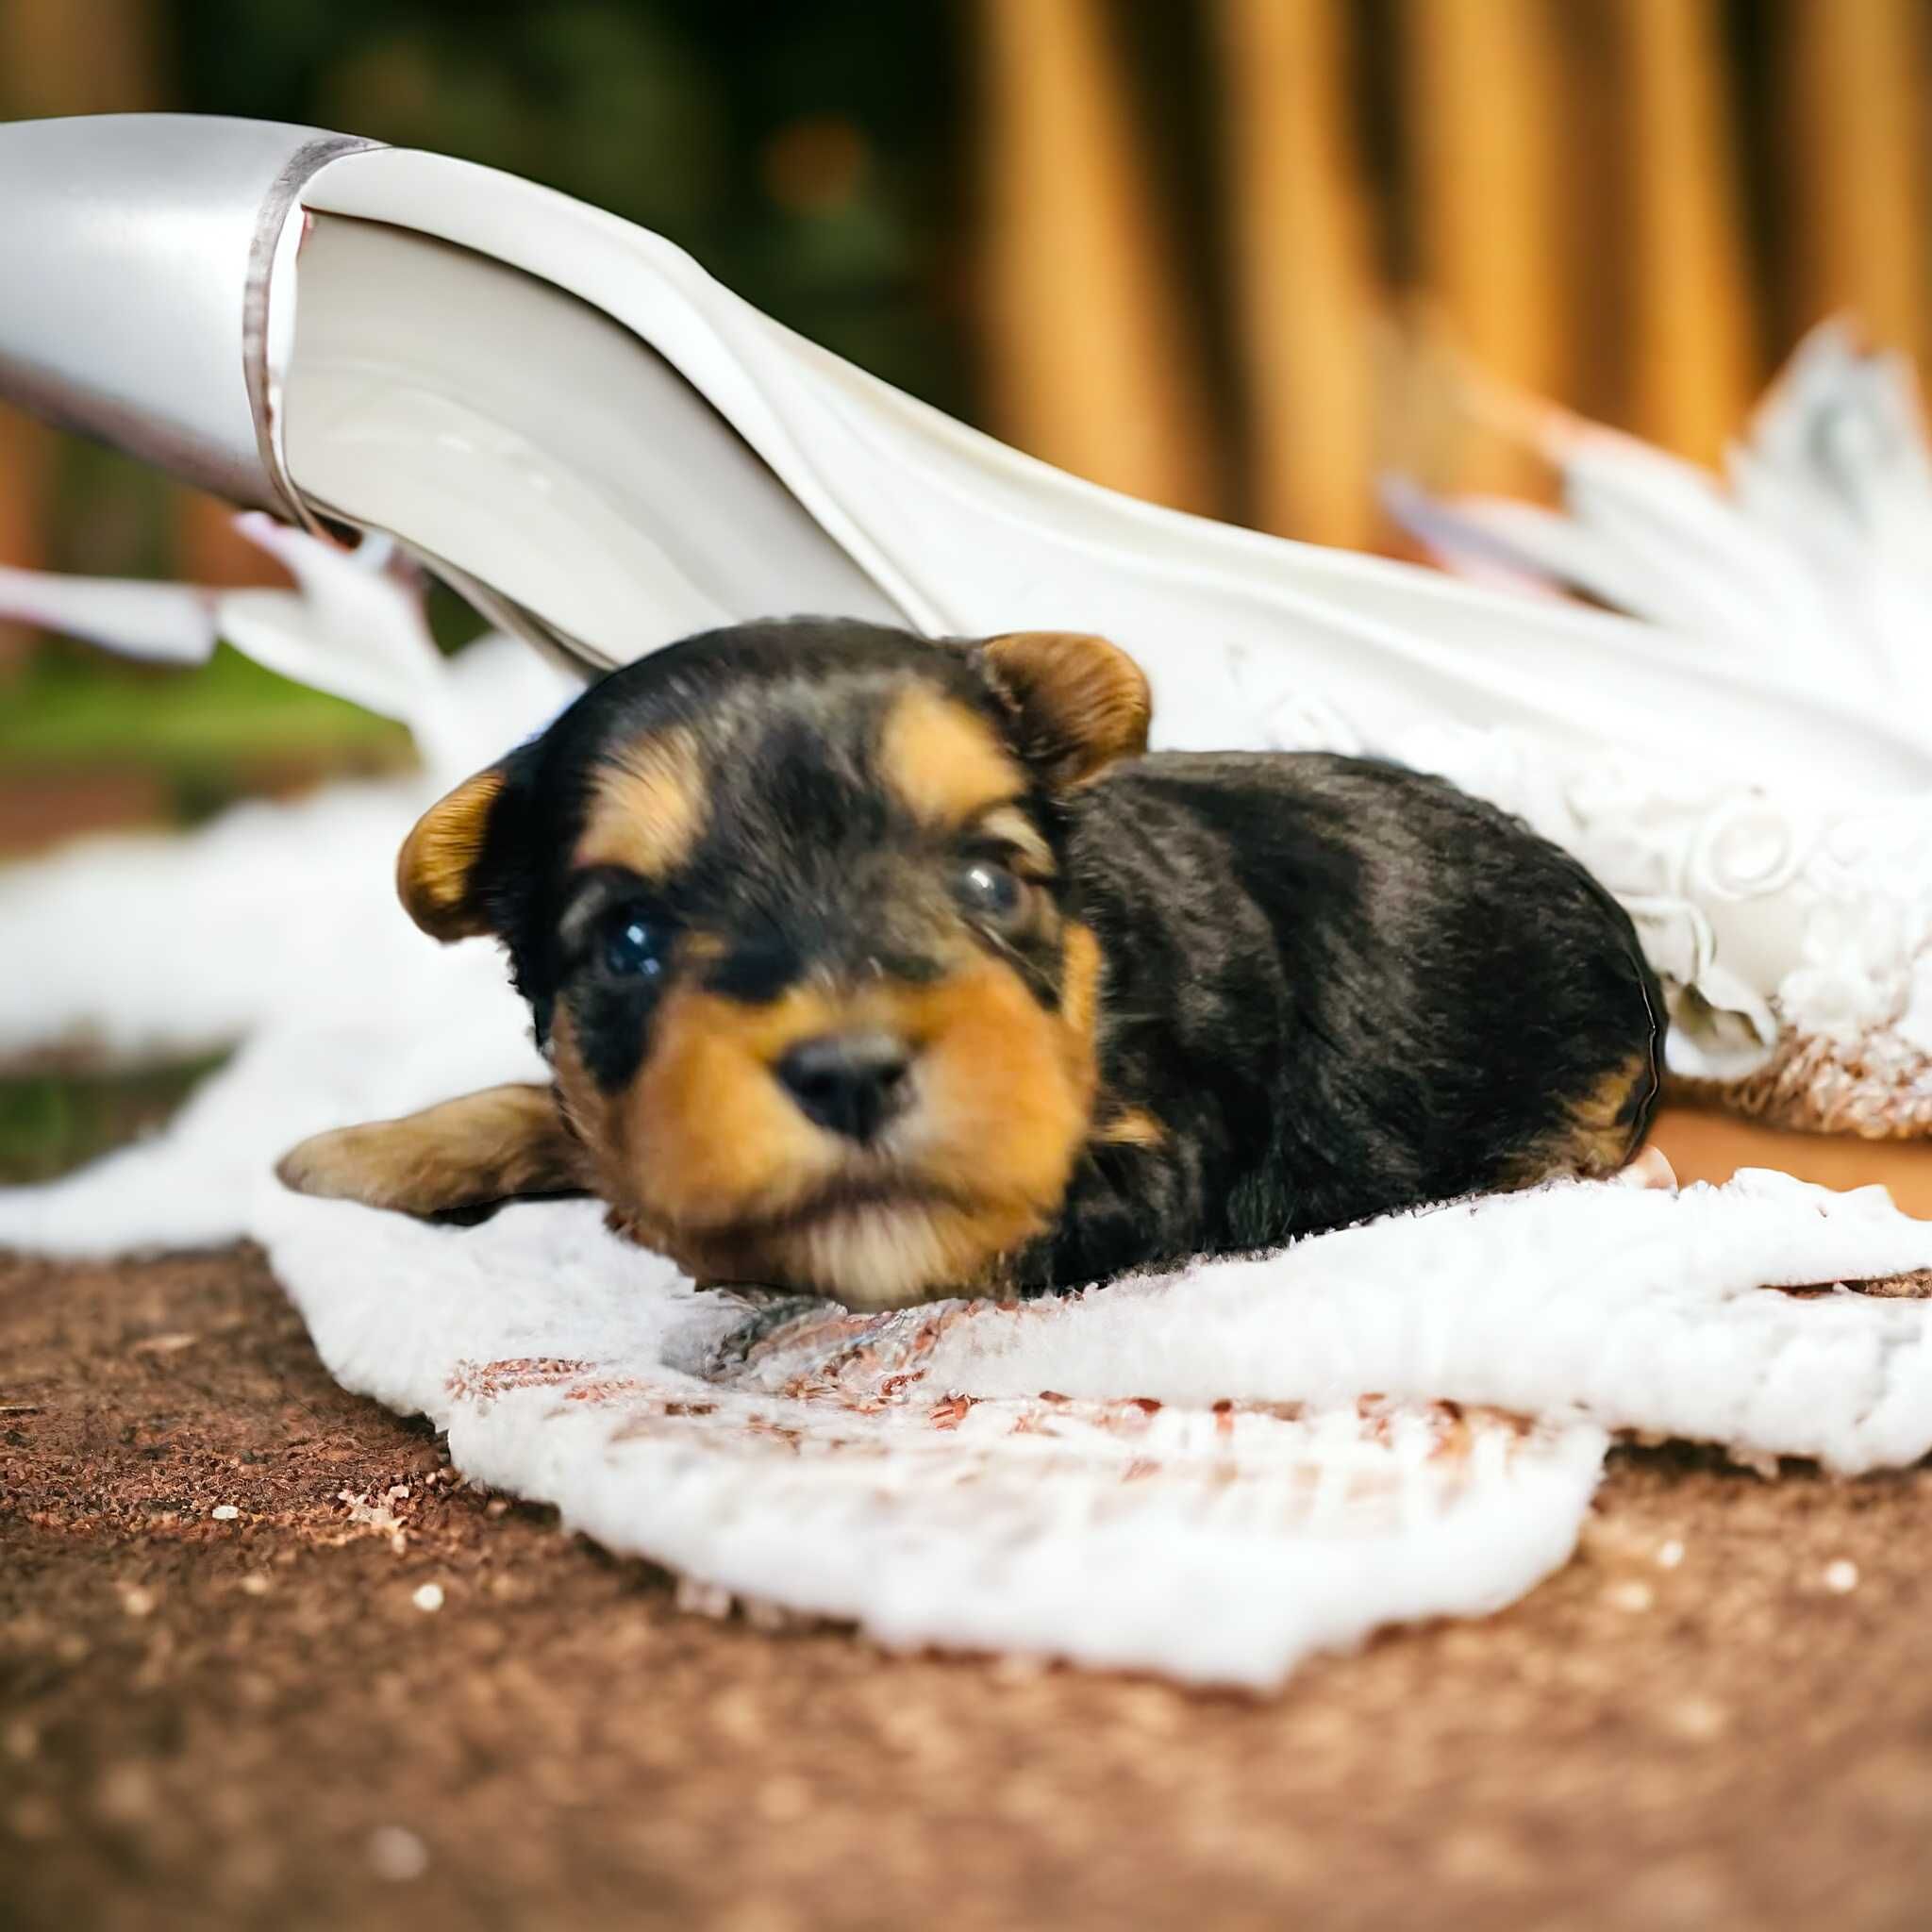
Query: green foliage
{"x": 71, "y": 709}
{"x": 54, "y": 1122}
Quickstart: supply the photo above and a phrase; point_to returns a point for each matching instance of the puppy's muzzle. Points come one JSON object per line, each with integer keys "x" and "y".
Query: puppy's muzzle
{"x": 852, "y": 1084}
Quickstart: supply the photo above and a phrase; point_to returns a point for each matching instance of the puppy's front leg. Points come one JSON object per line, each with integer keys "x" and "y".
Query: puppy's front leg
{"x": 488, "y": 1146}
{"x": 1136, "y": 1192}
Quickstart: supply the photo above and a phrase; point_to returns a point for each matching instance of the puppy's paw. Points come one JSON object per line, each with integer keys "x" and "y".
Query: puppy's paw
{"x": 490, "y": 1146}
{"x": 375, "y": 1165}
{"x": 1650, "y": 1169}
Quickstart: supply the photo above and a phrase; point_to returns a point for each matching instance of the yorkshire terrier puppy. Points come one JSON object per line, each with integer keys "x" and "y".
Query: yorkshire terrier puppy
{"x": 887, "y": 970}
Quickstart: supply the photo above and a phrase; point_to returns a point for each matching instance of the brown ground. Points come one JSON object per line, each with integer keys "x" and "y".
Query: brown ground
{"x": 250, "y": 1722}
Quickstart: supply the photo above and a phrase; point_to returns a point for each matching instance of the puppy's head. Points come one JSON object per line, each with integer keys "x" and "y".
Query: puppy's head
{"x": 785, "y": 901}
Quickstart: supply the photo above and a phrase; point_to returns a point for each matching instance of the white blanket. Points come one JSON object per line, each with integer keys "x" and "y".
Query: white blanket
{"x": 1209, "y": 1474}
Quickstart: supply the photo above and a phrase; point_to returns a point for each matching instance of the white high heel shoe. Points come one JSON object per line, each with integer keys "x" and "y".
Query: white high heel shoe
{"x": 565, "y": 417}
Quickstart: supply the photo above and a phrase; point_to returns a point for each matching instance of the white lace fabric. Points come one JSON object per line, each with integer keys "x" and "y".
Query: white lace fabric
{"x": 1791, "y": 917}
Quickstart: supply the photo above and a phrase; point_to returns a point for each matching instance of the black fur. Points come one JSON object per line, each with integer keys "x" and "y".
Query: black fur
{"x": 1344, "y": 988}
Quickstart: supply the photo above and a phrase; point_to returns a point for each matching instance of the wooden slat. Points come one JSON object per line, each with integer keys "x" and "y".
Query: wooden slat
{"x": 1483, "y": 89}
{"x": 25, "y": 476}
{"x": 208, "y": 549}
{"x": 1854, "y": 80}
{"x": 1692, "y": 343}
{"x": 1092, "y": 363}
{"x": 1307, "y": 303}
{"x": 71, "y": 56}
{"x": 79, "y": 57}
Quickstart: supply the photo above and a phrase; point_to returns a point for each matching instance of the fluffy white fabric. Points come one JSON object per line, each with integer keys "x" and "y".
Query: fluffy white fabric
{"x": 1180, "y": 1474}
{"x": 1209, "y": 1474}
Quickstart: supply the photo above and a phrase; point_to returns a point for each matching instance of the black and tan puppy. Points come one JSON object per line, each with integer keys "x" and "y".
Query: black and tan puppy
{"x": 888, "y": 970}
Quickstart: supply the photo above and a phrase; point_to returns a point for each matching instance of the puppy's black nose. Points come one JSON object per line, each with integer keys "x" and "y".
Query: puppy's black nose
{"x": 852, "y": 1083}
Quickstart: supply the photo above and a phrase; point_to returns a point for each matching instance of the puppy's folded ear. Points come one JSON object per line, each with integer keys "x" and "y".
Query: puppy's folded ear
{"x": 440, "y": 869}
{"x": 1081, "y": 702}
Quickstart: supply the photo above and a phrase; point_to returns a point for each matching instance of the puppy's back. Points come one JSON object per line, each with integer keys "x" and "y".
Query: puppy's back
{"x": 1427, "y": 998}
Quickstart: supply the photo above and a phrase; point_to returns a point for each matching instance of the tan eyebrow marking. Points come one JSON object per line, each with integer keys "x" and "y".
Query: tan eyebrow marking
{"x": 945, "y": 762}
{"x": 647, "y": 806}
{"x": 1010, "y": 824}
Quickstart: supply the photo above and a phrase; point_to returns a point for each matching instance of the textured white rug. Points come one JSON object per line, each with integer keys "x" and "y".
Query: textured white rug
{"x": 1208, "y": 1476}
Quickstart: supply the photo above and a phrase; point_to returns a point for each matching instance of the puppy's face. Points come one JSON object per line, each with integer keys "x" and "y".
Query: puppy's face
{"x": 785, "y": 901}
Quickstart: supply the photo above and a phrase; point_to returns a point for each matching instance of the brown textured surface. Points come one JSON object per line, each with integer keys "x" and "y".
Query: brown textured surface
{"x": 1712, "y": 1147}
{"x": 210, "y": 1722}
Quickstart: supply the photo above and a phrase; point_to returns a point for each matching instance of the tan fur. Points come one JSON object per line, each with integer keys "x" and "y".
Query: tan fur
{"x": 946, "y": 763}
{"x": 1599, "y": 1137}
{"x": 1080, "y": 982}
{"x": 874, "y": 1256}
{"x": 487, "y": 1146}
{"x": 706, "y": 1156}
{"x": 1032, "y": 856}
{"x": 648, "y": 807}
{"x": 703, "y": 1135}
{"x": 1603, "y": 1119}
{"x": 434, "y": 868}
{"x": 1083, "y": 702}
{"x": 1133, "y": 1127}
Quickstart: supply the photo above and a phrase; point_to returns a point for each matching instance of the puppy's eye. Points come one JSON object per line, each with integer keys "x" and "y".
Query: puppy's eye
{"x": 633, "y": 945}
{"x": 990, "y": 890}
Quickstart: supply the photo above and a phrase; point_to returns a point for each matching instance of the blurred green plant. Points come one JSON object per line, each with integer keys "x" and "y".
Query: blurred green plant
{"x": 70, "y": 709}
{"x": 53, "y": 1121}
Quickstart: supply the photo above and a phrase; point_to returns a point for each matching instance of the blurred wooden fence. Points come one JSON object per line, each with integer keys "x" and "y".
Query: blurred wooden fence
{"x": 1634, "y": 206}
{"x": 1631, "y": 206}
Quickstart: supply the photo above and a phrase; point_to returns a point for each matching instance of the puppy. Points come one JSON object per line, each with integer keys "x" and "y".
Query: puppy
{"x": 887, "y": 970}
